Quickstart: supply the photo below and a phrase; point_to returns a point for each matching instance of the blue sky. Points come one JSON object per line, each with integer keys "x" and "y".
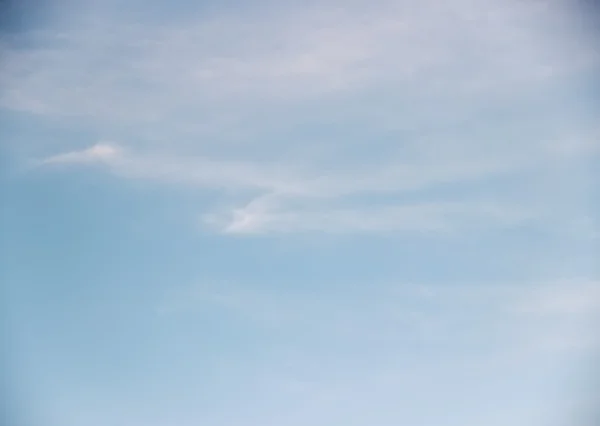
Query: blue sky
{"x": 292, "y": 213}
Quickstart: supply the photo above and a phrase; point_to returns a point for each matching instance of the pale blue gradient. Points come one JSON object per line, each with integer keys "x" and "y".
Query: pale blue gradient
{"x": 263, "y": 213}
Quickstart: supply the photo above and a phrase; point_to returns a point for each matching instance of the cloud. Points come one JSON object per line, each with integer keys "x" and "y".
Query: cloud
{"x": 277, "y": 197}
{"x": 101, "y": 152}
{"x": 129, "y": 72}
{"x": 300, "y": 116}
{"x": 260, "y": 217}
{"x": 395, "y": 118}
{"x": 197, "y": 171}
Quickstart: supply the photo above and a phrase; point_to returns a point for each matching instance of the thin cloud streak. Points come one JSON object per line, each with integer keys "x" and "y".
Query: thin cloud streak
{"x": 100, "y": 152}
{"x": 436, "y": 218}
{"x": 284, "y": 200}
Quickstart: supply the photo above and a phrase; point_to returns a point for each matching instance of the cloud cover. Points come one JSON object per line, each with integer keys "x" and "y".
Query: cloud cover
{"x": 305, "y": 105}
{"x": 369, "y": 121}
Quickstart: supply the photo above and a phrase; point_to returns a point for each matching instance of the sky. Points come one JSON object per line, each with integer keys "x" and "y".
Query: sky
{"x": 261, "y": 213}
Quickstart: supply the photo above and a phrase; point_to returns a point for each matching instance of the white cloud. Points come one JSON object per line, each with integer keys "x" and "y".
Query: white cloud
{"x": 131, "y": 72}
{"x": 100, "y": 152}
{"x": 285, "y": 198}
{"x": 221, "y": 102}
{"x": 259, "y": 217}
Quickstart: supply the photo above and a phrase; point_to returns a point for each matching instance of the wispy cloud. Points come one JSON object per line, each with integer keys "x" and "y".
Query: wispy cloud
{"x": 393, "y": 100}
{"x": 130, "y": 72}
{"x": 101, "y": 152}
{"x": 409, "y": 121}
{"x": 260, "y": 216}
{"x": 285, "y": 198}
